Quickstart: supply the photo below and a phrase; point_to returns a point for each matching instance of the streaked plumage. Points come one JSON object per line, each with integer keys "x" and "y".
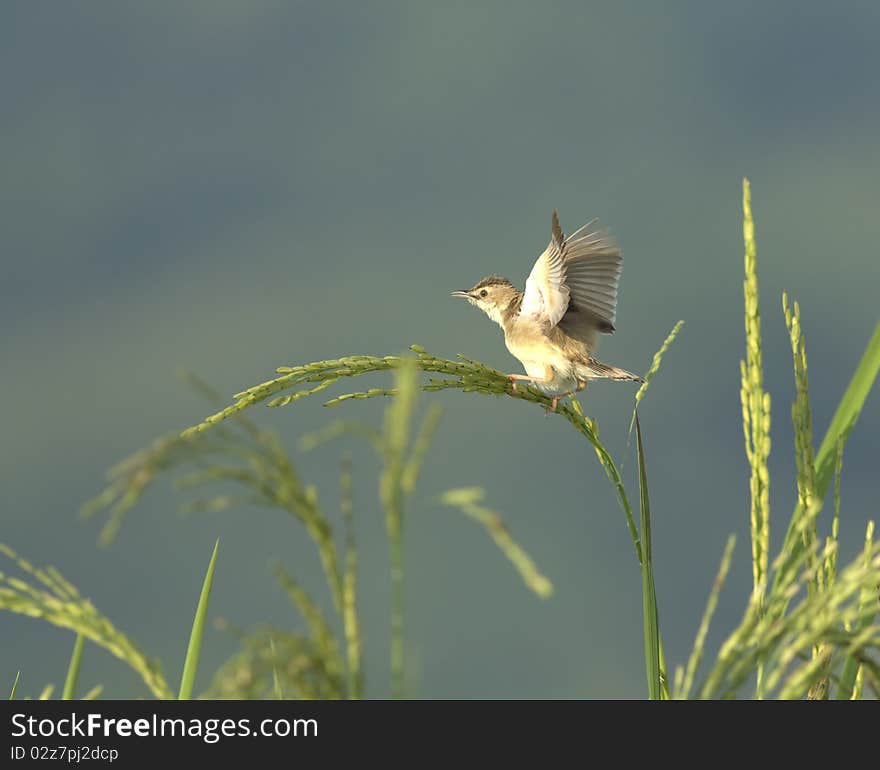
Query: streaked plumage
{"x": 570, "y": 296}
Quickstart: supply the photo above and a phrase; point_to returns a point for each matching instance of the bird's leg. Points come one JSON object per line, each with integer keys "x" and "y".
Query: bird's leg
{"x": 556, "y": 399}
{"x": 547, "y": 378}
{"x": 514, "y": 377}
{"x": 581, "y": 385}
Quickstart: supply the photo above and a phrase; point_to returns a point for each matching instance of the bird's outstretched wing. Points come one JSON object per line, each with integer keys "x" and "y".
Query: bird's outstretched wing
{"x": 574, "y": 282}
{"x": 546, "y": 295}
{"x": 593, "y": 264}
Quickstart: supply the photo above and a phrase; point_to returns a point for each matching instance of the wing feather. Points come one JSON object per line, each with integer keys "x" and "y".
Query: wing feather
{"x": 546, "y": 295}
{"x": 574, "y": 283}
{"x": 593, "y": 264}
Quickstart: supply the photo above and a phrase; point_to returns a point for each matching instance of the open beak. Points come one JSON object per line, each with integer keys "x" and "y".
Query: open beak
{"x": 459, "y": 294}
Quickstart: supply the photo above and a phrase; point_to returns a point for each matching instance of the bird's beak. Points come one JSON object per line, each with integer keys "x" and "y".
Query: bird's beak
{"x": 459, "y": 294}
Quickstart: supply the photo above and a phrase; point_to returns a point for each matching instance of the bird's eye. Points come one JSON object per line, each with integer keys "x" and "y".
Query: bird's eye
{"x": 484, "y": 293}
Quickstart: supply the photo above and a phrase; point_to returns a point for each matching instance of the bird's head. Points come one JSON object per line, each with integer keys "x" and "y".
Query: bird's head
{"x": 493, "y": 295}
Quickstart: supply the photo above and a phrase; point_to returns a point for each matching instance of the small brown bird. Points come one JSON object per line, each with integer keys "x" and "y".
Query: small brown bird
{"x": 570, "y": 296}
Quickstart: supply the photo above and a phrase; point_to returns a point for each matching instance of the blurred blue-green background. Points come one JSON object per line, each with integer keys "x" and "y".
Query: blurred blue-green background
{"x": 233, "y": 186}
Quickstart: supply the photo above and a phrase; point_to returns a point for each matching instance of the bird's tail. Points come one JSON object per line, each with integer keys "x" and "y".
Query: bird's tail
{"x": 599, "y": 369}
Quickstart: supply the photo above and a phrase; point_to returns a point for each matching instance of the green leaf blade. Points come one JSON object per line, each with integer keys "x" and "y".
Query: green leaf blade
{"x": 72, "y": 677}
{"x": 14, "y": 686}
{"x": 194, "y": 648}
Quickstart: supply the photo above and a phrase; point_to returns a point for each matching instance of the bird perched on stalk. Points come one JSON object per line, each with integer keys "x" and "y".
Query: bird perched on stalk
{"x": 570, "y": 297}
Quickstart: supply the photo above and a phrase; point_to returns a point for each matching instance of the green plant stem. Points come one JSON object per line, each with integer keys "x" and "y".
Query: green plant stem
{"x": 398, "y": 672}
{"x": 649, "y": 595}
{"x": 276, "y": 684}
{"x": 572, "y": 412}
{"x": 467, "y": 500}
{"x": 699, "y": 643}
{"x": 350, "y": 621}
{"x": 395, "y": 443}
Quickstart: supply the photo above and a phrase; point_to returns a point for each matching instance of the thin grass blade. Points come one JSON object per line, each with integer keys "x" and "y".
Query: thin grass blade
{"x": 14, "y": 685}
{"x": 73, "y": 669}
{"x": 194, "y": 648}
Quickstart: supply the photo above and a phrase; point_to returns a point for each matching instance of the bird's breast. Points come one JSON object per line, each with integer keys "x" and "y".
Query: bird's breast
{"x": 536, "y": 352}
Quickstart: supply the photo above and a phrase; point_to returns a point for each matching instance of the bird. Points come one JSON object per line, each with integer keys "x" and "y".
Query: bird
{"x": 570, "y": 298}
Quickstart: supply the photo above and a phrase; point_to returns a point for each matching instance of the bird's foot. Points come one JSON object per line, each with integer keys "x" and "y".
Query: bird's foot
{"x": 554, "y": 401}
{"x": 514, "y": 377}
